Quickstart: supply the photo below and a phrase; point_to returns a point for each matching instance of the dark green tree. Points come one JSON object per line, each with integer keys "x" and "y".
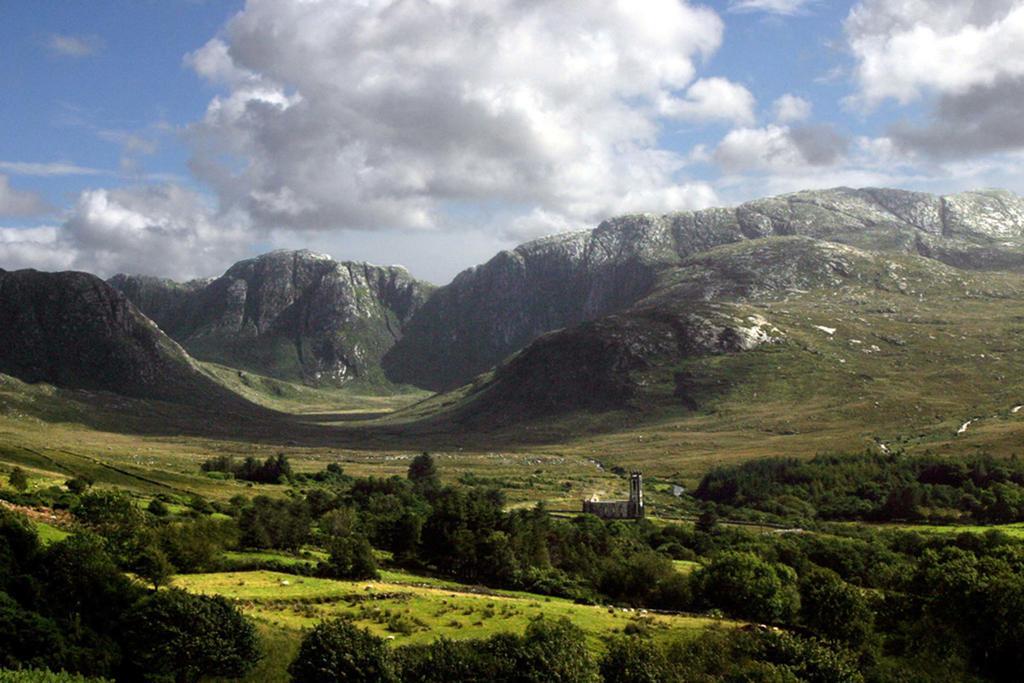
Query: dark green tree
{"x": 18, "y": 479}
{"x": 832, "y": 609}
{"x": 114, "y": 516}
{"x": 632, "y": 659}
{"x": 351, "y": 557}
{"x": 157, "y": 508}
{"x": 150, "y": 563}
{"x": 423, "y": 472}
{"x": 337, "y": 651}
{"x": 79, "y": 484}
{"x": 174, "y": 633}
{"x": 554, "y": 651}
{"x": 746, "y": 586}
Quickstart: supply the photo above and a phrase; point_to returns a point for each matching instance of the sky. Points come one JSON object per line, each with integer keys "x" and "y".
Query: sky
{"x": 175, "y": 137}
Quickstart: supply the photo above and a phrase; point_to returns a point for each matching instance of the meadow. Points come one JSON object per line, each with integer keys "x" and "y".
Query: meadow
{"x": 408, "y": 609}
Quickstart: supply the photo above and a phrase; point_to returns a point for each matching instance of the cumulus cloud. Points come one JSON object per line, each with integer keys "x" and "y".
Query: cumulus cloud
{"x": 14, "y": 202}
{"x": 380, "y": 115}
{"x": 162, "y": 229}
{"x": 784, "y": 7}
{"x": 38, "y": 247}
{"x": 711, "y": 99}
{"x": 780, "y": 148}
{"x": 159, "y": 229}
{"x": 791, "y": 108}
{"x": 73, "y": 46}
{"x": 962, "y": 58}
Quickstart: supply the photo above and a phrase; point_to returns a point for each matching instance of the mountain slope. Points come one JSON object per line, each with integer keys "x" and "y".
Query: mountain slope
{"x": 292, "y": 315}
{"x": 73, "y": 330}
{"x": 776, "y": 345}
{"x": 491, "y": 311}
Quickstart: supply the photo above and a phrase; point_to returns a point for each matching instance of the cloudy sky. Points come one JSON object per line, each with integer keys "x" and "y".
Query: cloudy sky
{"x": 175, "y": 137}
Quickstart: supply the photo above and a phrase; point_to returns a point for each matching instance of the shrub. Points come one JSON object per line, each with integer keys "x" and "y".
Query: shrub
{"x": 339, "y": 651}
{"x": 748, "y": 587}
{"x": 188, "y": 636}
{"x": 631, "y": 659}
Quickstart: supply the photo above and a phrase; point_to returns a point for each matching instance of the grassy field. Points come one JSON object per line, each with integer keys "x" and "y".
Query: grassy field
{"x": 1014, "y": 530}
{"x": 408, "y": 609}
{"x": 905, "y": 365}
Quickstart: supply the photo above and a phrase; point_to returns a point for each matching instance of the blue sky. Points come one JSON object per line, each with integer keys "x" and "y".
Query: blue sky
{"x": 175, "y": 137}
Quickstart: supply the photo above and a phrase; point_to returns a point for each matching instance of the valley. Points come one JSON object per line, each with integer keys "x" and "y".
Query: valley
{"x": 257, "y": 436}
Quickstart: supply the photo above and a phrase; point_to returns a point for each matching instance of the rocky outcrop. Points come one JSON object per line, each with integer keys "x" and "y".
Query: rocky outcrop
{"x": 594, "y": 366}
{"x": 73, "y": 330}
{"x": 290, "y": 314}
{"x": 490, "y": 311}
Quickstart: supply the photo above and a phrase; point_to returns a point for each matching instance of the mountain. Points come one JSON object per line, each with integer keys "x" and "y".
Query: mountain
{"x": 73, "y": 330}
{"x": 777, "y": 345}
{"x": 495, "y": 309}
{"x": 288, "y": 314}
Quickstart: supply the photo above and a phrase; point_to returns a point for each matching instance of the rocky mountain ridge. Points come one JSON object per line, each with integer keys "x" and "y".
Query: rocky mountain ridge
{"x": 492, "y": 310}
{"x": 289, "y": 314}
{"x": 73, "y": 330}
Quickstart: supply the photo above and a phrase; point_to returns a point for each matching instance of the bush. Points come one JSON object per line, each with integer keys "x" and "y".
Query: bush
{"x": 158, "y": 508}
{"x": 339, "y": 651}
{"x": 188, "y": 636}
{"x": 748, "y": 587}
{"x": 631, "y": 659}
{"x": 18, "y": 479}
{"x": 832, "y": 609}
{"x": 351, "y": 558}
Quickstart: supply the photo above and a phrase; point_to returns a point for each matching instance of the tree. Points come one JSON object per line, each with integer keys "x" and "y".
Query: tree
{"x": 351, "y": 558}
{"x": 631, "y": 659}
{"x": 152, "y": 565}
{"x": 18, "y": 479}
{"x": 114, "y": 516}
{"x": 79, "y": 484}
{"x": 748, "y": 587}
{"x": 554, "y": 651}
{"x": 188, "y": 636}
{"x": 832, "y": 609}
{"x": 339, "y": 651}
{"x": 157, "y": 508}
{"x": 270, "y": 523}
{"x": 708, "y": 520}
{"x": 445, "y": 661}
{"x": 423, "y": 472}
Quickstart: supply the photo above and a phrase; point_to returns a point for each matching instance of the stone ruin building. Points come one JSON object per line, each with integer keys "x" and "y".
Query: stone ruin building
{"x": 620, "y": 509}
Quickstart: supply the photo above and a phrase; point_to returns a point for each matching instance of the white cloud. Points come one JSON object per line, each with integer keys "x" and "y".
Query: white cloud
{"x": 784, "y": 7}
{"x": 58, "y": 168}
{"x": 37, "y": 247}
{"x": 162, "y": 229}
{"x": 908, "y": 48}
{"x": 765, "y": 148}
{"x": 962, "y": 59}
{"x": 73, "y": 46}
{"x": 711, "y": 99}
{"x": 380, "y": 115}
{"x": 166, "y": 230}
{"x": 791, "y": 109}
{"x": 14, "y": 202}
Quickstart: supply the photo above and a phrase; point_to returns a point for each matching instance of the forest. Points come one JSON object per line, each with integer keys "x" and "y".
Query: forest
{"x": 850, "y": 605}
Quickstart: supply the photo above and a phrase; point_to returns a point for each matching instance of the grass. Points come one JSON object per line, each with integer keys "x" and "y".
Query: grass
{"x": 407, "y": 614}
{"x": 50, "y": 534}
{"x": 686, "y": 566}
{"x": 292, "y": 397}
{"x": 1015, "y": 530}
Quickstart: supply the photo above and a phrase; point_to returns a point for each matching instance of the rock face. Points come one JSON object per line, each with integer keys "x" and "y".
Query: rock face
{"x": 593, "y": 366}
{"x": 290, "y": 314}
{"x": 490, "y": 311}
{"x": 73, "y": 330}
